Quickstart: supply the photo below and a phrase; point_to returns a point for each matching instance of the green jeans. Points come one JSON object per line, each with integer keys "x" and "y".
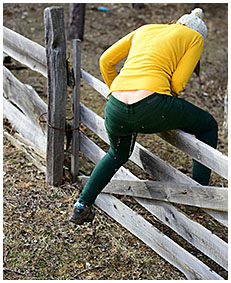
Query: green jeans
{"x": 156, "y": 113}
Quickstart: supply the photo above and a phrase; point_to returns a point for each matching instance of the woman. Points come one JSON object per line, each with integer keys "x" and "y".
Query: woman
{"x": 144, "y": 97}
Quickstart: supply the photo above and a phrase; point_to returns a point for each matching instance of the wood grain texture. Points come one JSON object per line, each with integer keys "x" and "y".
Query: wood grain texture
{"x": 57, "y": 88}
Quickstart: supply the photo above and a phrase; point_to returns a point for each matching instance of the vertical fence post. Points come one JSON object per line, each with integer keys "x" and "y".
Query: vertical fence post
{"x": 57, "y": 89}
{"x": 76, "y": 109}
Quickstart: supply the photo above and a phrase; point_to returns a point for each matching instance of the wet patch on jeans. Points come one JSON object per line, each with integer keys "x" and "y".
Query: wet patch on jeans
{"x": 152, "y": 99}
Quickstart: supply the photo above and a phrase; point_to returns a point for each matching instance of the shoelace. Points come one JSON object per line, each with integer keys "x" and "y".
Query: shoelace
{"x": 79, "y": 207}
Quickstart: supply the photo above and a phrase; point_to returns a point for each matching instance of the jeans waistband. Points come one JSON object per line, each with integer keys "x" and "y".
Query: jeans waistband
{"x": 122, "y": 105}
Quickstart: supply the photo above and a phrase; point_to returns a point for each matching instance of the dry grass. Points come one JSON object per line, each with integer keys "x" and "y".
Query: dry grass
{"x": 40, "y": 242}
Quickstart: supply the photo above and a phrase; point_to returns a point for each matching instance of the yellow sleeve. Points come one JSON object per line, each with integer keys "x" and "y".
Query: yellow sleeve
{"x": 114, "y": 55}
{"x": 186, "y": 67}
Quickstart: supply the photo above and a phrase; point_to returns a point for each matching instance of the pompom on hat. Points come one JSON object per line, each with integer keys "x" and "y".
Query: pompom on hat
{"x": 194, "y": 21}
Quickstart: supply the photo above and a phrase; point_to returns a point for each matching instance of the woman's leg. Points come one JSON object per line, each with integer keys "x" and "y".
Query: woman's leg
{"x": 158, "y": 114}
{"x": 118, "y": 154}
{"x": 176, "y": 113}
{"x": 205, "y": 129}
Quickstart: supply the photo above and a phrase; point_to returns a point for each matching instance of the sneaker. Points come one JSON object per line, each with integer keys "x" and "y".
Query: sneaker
{"x": 82, "y": 213}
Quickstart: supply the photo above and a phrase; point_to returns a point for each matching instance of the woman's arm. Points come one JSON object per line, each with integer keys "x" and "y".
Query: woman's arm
{"x": 114, "y": 55}
{"x": 186, "y": 67}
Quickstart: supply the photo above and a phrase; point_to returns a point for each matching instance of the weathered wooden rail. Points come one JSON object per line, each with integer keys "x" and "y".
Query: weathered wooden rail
{"x": 157, "y": 197}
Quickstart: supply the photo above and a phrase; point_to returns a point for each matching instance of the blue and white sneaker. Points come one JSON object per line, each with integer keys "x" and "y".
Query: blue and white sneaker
{"x": 82, "y": 213}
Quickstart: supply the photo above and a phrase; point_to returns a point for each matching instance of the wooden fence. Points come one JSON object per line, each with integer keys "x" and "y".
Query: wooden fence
{"x": 24, "y": 108}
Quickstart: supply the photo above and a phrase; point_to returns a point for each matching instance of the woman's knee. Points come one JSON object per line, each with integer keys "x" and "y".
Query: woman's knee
{"x": 121, "y": 148}
{"x": 210, "y": 134}
{"x": 119, "y": 158}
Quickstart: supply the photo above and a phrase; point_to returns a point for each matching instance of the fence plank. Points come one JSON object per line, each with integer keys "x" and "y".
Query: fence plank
{"x": 25, "y": 50}
{"x": 76, "y": 109}
{"x": 191, "y": 231}
{"x": 95, "y": 83}
{"x": 24, "y": 126}
{"x": 164, "y": 172}
{"x": 188, "y": 264}
{"x": 200, "y": 196}
{"x": 167, "y": 248}
{"x": 25, "y": 97}
{"x": 198, "y": 150}
{"x": 146, "y": 160}
{"x": 28, "y": 149}
{"x": 57, "y": 88}
{"x": 196, "y": 234}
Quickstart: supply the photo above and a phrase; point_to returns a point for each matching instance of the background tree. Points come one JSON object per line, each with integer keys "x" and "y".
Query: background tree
{"x": 76, "y": 18}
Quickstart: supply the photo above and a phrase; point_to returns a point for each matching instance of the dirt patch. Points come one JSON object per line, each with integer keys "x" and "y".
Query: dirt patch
{"x": 39, "y": 242}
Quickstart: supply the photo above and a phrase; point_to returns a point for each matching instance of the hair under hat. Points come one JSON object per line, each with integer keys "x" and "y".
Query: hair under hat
{"x": 194, "y": 21}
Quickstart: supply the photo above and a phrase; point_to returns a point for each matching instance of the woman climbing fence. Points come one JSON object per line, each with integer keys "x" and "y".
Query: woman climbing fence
{"x": 144, "y": 97}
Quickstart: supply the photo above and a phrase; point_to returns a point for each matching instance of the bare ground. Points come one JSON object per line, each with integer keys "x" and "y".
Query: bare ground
{"x": 39, "y": 241}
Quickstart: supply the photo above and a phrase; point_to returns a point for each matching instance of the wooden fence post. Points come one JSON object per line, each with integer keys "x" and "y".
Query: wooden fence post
{"x": 57, "y": 88}
{"x": 76, "y": 109}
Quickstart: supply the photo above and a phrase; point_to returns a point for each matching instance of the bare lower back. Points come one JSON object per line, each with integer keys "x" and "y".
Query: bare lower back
{"x": 131, "y": 96}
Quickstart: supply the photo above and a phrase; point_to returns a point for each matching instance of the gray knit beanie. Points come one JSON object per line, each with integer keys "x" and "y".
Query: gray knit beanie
{"x": 194, "y": 21}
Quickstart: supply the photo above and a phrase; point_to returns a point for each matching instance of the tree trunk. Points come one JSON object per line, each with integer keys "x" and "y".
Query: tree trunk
{"x": 138, "y": 5}
{"x": 76, "y": 17}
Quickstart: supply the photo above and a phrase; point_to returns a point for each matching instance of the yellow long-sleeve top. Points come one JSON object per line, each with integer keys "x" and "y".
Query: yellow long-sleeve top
{"x": 160, "y": 58}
